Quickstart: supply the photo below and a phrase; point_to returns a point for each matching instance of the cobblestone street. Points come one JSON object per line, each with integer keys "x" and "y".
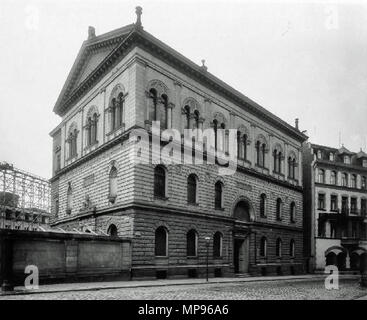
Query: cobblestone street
{"x": 273, "y": 290}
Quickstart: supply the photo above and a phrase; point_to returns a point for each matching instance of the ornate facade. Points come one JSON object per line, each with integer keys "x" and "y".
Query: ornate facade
{"x": 335, "y": 182}
{"x": 250, "y": 222}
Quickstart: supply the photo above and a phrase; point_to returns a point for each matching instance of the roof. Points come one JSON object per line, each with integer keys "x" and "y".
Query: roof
{"x": 120, "y": 41}
{"x": 344, "y": 150}
{"x": 361, "y": 154}
{"x": 319, "y": 146}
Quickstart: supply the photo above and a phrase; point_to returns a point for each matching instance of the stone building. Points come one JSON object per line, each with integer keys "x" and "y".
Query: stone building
{"x": 249, "y": 222}
{"x": 335, "y": 207}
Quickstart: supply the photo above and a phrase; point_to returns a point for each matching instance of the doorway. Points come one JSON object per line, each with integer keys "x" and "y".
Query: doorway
{"x": 241, "y": 255}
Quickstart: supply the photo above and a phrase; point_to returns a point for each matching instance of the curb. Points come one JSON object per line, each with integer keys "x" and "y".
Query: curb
{"x": 167, "y": 284}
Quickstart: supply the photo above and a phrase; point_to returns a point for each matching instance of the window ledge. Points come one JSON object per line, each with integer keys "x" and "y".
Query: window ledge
{"x": 90, "y": 146}
{"x": 116, "y": 130}
{"x": 219, "y": 209}
{"x": 72, "y": 158}
{"x": 160, "y": 198}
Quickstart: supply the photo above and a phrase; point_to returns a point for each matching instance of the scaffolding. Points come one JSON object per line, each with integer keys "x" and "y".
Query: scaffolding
{"x": 23, "y": 193}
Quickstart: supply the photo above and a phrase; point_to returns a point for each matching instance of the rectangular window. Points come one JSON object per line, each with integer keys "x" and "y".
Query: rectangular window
{"x": 334, "y": 203}
{"x": 363, "y": 206}
{"x": 353, "y": 205}
{"x": 321, "y": 202}
{"x": 345, "y": 206}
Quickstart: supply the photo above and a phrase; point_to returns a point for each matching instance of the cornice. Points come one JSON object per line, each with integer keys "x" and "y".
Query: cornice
{"x": 133, "y": 207}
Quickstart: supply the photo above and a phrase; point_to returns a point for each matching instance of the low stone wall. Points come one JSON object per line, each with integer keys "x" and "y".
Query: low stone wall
{"x": 62, "y": 257}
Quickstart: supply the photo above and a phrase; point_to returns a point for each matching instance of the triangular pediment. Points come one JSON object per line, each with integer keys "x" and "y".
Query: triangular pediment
{"x": 92, "y": 53}
{"x": 91, "y": 62}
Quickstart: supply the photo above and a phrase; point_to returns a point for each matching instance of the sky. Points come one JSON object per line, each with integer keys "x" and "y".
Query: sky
{"x": 298, "y": 59}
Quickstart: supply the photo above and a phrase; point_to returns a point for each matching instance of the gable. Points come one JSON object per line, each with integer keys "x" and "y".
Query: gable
{"x": 91, "y": 62}
{"x": 93, "y": 52}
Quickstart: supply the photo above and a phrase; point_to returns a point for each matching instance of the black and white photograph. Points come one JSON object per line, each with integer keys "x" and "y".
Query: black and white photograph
{"x": 198, "y": 151}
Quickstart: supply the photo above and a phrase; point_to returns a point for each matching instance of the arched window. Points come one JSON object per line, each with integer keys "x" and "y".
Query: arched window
{"x": 72, "y": 142}
{"x": 162, "y": 111}
{"x": 263, "y": 205}
{"x": 333, "y": 177}
{"x": 192, "y": 239}
{"x": 69, "y": 199}
{"x": 217, "y": 245}
{"x": 345, "y": 180}
{"x": 241, "y": 145}
{"x": 88, "y": 129}
{"x": 191, "y": 189}
{"x": 292, "y": 167}
{"x": 277, "y": 159}
{"x": 112, "y": 231}
{"x": 292, "y": 248}
{"x": 242, "y": 211}
{"x": 260, "y": 154}
{"x": 244, "y": 144}
{"x": 279, "y": 209}
{"x": 278, "y": 247}
{"x": 159, "y": 182}
{"x": 353, "y": 181}
{"x": 91, "y": 129}
{"x": 263, "y": 247}
{"x": 119, "y": 110}
{"x": 221, "y": 136}
{"x": 279, "y": 162}
{"x": 113, "y": 185}
{"x": 153, "y": 105}
{"x": 293, "y": 212}
{"x": 161, "y": 242}
{"x": 196, "y": 119}
{"x": 321, "y": 176}
{"x": 116, "y": 109}
{"x": 364, "y": 183}
{"x": 263, "y": 150}
{"x": 218, "y": 194}
{"x": 113, "y": 114}
{"x": 186, "y": 112}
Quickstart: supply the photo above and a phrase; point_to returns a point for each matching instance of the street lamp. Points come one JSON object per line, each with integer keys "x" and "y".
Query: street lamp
{"x": 207, "y": 242}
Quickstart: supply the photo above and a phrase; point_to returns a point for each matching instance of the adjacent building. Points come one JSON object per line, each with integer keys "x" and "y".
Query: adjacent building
{"x": 335, "y": 207}
{"x": 249, "y": 222}
{"x": 24, "y": 200}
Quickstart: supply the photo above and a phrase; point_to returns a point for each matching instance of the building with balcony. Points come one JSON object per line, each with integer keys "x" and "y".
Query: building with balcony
{"x": 335, "y": 207}
{"x": 249, "y": 222}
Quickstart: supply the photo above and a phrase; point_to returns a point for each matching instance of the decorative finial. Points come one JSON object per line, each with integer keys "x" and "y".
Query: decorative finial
{"x": 297, "y": 123}
{"x": 138, "y": 11}
{"x": 204, "y": 67}
{"x": 91, "y": 32}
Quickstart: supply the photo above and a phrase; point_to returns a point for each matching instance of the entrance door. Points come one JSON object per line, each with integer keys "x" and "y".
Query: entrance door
{"x": 241, "y": 255}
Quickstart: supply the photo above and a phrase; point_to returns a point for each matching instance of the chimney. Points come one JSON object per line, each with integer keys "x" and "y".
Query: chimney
{"x": 297, "y": 123}
{"x": 91, "y": 32}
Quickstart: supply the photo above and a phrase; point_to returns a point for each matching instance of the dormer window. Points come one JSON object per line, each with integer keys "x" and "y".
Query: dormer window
{"x": 331, "y": 156}
{"x": 319, "y": 154}
{"x": 346, "y": 159}
{"x": 364, "y": 163}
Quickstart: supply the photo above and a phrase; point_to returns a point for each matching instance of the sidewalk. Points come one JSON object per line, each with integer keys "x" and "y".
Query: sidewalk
{"x": 66, "y": 287}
